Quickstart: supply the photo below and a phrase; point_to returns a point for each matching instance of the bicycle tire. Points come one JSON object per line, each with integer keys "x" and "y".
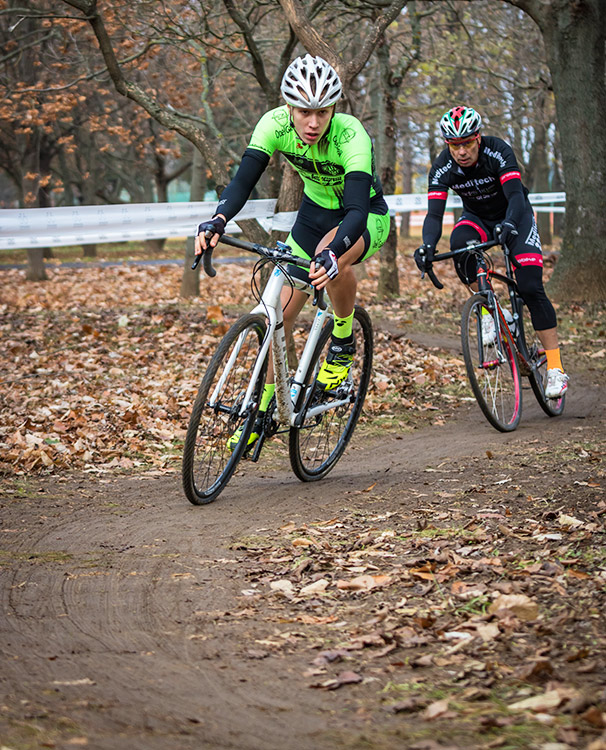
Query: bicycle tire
{"x": 537, "y": 376}
{"x": 319, "y": 442}
{"x": 208, "y": 462}
{"x": 492, "y": 368}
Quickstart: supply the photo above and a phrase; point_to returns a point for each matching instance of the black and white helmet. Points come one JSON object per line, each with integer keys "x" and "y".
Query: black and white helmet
{"x": 311, "y": 83}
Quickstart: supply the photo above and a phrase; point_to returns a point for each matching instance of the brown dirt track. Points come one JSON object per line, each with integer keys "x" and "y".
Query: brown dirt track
{"x": 131, "y": 619}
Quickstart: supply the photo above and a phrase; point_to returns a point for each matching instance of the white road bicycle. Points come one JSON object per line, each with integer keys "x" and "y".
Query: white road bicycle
{"x": 319, "y": 423}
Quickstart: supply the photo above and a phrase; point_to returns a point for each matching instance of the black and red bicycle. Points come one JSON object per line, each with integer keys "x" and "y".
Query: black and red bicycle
{"x": 500, "y": 346}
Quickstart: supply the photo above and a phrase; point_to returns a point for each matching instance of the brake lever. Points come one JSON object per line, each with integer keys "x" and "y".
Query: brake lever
{"x": 206, "y": 255}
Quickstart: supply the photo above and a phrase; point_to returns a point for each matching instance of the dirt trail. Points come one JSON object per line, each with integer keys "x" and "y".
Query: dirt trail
{"x": 114, "y": 594}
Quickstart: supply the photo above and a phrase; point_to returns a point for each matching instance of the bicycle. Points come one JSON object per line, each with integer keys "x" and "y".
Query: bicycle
{"x": 320, "y": 423}
{"x": 495, "y": 367}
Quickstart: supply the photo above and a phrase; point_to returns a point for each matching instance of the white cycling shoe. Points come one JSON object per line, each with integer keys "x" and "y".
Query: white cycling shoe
{"x": 557, "y": 383}
{"x": 489, "y": 334}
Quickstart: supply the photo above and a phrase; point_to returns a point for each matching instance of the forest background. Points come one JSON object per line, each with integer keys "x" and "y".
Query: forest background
{"x": 444, "y": 587}
{"x": 114, "y": 102}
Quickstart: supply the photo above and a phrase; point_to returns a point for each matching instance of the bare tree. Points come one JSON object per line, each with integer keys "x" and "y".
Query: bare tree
{"x": 575, "y": 41}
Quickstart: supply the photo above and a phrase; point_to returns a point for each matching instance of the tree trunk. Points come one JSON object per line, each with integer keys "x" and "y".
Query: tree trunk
{"x": 190, "y": 281}
{"x": 35, "y": 264}
{"x": 154, "y": 246}
{"x": 407, "y": 169}
{"x": 289, "y": 199}
{"x": 32, "y": 195}
{"x": 575, "y": 40}
{"x": 389, "y": 283}
{"x": 538, "y": 168}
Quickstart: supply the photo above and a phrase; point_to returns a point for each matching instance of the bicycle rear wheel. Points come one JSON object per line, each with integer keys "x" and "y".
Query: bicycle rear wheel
{"x": 208, "y": 461}
{"x": 319, "y": 442}
{"x": 492, "y": 368}
{"x": 553, "y": 407}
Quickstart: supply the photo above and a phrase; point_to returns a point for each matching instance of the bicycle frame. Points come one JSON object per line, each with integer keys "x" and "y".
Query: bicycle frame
{"x": 485, "y": 276}
{"x": 287, "y": 390}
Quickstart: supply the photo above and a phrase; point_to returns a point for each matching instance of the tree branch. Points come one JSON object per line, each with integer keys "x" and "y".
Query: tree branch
{"x": 257, "y": 59}
{"x": 131, "y": 90}
{"x": 316, "y": 45}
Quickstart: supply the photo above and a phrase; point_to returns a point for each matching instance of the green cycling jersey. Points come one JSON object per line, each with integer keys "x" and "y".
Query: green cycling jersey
{"x": 344, "y": 148}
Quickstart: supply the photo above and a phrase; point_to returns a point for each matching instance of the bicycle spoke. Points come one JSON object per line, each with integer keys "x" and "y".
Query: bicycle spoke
{"x": 317, "y": 445}
{"x": 492, "y": 368}
{"x": 210, "y": 455}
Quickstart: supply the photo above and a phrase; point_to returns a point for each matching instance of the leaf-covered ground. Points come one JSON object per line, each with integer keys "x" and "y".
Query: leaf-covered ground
{"x": 102, "y": 364}
{"x": 444, "y": 587}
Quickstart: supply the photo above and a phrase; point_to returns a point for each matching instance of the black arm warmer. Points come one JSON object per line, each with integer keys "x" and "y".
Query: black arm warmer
{"x": 516, "y": 201}
{"x": 236, "y": 193}
{"x": 356, "y": 202}
{"x": 432, "y": 226}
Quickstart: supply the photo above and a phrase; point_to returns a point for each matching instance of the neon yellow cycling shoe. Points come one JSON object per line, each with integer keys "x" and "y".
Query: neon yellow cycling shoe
{"x": 336, "y": 366}
{"x": 252, "y": 438}
{"x": 235, "y": 439}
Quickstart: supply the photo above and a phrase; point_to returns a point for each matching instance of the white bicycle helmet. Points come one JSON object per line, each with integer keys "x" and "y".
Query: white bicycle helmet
{"x": 460, "y": 122}
{"x": 311, "y": 83}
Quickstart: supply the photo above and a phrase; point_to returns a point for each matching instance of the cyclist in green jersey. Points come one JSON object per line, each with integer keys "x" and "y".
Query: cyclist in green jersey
{"x": 343, "y": 218}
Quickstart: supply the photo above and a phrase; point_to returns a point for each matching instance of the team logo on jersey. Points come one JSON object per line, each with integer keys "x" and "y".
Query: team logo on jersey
{"x": 281, "y": 117}
{"x": 330, "y": 168}
{"x": 347, "y": 135}
{"x": 442, "y": 170}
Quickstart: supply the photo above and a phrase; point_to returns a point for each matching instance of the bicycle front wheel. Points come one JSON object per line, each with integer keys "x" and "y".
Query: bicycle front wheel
{"x": 328, "y": 418}
{"x": 492, "y": 368}
{"x": 537, "y": 359}
{"x": 209, "y": 460}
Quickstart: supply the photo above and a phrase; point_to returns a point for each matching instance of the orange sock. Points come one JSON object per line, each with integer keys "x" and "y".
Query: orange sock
{"x": 554, "y": 360}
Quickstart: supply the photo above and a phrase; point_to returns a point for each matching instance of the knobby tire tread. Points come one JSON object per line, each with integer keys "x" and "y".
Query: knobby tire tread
{"x": 227, "y": 460}
{"x": 468, "y": 317}
{"x": 301, "y": 466}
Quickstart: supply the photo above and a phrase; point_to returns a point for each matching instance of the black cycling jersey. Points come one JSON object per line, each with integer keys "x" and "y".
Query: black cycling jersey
{"x": 492, "y": 189}
{"x": 492, "y": 192}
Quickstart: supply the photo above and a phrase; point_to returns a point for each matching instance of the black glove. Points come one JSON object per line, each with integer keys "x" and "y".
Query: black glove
{"x": 505, "y": 230}
{"x": 216, "y": 225}
{"x": 424, "y": 256}
{"x": 328, "y": 259}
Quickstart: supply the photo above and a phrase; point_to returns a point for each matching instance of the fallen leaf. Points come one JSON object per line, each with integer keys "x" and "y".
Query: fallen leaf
{"x": 283, "y": 586}
{"x": 345, "y": 678}
{"x": 317, "y": 587}
{"x": 364, "y": 583}
{"x": 436, "y": 710}
{"x": 539, "y": 703}
{"x": 521, "y": 605}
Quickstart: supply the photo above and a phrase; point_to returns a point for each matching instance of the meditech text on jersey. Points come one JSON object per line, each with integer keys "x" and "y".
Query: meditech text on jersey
{"x": 474, "y": 183}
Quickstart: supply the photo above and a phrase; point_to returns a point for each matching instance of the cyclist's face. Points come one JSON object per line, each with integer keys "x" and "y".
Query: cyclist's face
{"x": 311, "y": 124}
{"x": 466, "y": 152}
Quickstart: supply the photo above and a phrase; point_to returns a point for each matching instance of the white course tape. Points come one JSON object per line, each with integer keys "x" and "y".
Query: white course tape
{"x": 84, "y": 225}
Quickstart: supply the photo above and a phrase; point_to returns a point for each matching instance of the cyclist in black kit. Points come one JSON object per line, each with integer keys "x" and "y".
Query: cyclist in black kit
{"x": 483, "y": 171}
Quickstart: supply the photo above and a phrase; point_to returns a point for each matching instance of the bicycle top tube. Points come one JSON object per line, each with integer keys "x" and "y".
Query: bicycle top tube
{"x": 276, "y": 254}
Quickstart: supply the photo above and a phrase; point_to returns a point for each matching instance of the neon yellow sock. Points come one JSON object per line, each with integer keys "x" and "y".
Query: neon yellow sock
{"x": 268, "y": 392}
{"x": 554, "y": 360}
{"x": 342, "y": 328}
